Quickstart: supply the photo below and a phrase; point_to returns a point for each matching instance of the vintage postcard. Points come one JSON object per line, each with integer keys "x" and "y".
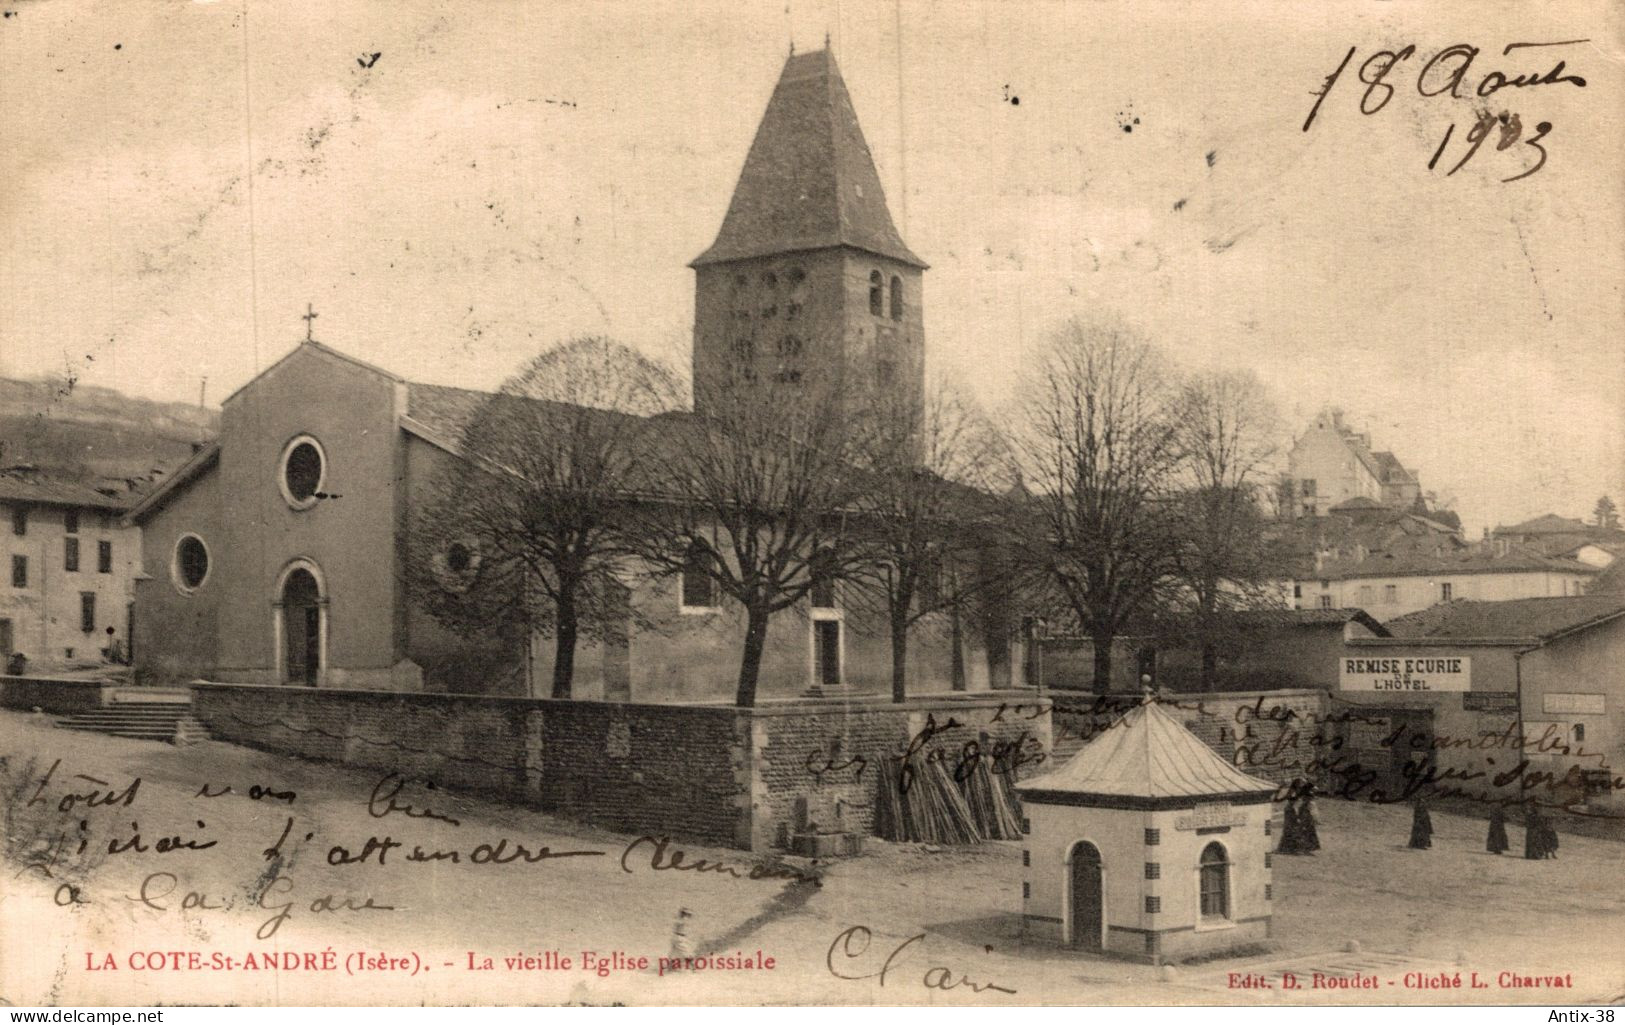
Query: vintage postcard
{"x": 810, "y": 503}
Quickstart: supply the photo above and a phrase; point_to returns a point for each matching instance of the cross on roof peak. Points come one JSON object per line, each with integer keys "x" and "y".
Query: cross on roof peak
{"x": 309, "y": 318}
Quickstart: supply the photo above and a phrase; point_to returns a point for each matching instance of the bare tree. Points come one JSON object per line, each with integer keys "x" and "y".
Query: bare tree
{"x": 763, "y": 487}
{"x": 1228, "y": 436}
{"x": 1098, "y": 445}
{"x": 528, "y": 528}
{"x": 929, "y": 530}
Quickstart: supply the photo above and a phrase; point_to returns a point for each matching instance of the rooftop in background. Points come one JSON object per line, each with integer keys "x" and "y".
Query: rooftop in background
{"x": 1531, "y": 619}
{"x": 1558, "y": 535}
{"x": 1268, "y": 618}
{"x": 1551, "y": 523}
{"x": 1358, "y": 503}
{"x": 1479, "y": 558}
{"x": 1392, "y": 470}
{"x": 1147, "y": 754}
{"x": 809, "y": 181}
{"x": 1610, "y": 580}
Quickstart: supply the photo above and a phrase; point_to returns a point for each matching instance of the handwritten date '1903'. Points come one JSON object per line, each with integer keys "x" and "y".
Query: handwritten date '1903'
{"x": 1447, "y": 73}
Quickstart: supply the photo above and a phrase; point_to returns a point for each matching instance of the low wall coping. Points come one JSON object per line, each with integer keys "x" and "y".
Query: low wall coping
{"x": 70, "y": 681}
{"x": 788, "y": 707}
{"x": 431, "y": 698}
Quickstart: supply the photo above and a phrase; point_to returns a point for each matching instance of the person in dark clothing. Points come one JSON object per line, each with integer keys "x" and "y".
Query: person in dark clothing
{"x": 1534, "y": 835}
{"x": 1421, "y": 826}
{"x": 1497, "y": 841}
{"x": 1548, "y": 838}
{"x": 1309, "y": 835}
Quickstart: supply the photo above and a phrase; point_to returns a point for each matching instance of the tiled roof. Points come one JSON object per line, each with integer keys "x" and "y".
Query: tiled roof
{"x": 657, "y": 441}
{"x": 203, "y": 460}
{"x": 1309, "y": 617}
{"x": 1533, "y": 618}
{"x": 1610, "y": 580}
{"x": 1551, "y": 523}
{"x": 809, "y": 181}
{"x": 1393, "y": 471}
{"x": 447, "y": 412}
{"x": 1390, "y": 531}
{"x": 1358, "y": 502}
{"x": 45, "y": 486}
{"x": 1447, "y": 563}
{"x": 1147, "y": 754}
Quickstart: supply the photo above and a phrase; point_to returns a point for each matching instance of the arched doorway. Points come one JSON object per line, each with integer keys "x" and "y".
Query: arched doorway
{"x": 301, "y": 614}
{"x": 1085, "y": 871}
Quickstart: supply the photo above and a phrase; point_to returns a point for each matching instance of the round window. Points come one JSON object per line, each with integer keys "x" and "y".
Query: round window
{"x": 457, "y": 564}
{"x": 458, "y": 557}
{"x": 191, "y": 565}
{"x": 304, "y": 469}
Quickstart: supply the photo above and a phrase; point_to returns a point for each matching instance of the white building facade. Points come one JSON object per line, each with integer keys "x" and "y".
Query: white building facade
{"x": 69, "y": 570}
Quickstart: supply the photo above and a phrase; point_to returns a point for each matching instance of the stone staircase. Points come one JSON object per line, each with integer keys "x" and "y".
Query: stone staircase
{"x": 142, "y": 713}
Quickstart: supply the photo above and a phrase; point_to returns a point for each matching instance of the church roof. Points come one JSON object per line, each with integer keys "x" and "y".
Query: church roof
{"x": 1145, "y": 755}
{"x": 809, "y": 181}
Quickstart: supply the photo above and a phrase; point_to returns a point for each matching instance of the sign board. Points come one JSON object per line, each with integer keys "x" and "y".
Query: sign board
{"x": 1405, "y": 673}
{"x": 1208, "y": 816}
{"x": 1581, "y": 704}
{"x": 1490, "y": 701}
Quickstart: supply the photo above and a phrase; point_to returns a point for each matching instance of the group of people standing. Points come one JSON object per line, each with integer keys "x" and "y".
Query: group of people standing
{"x": 1539, "y": 838}
{"x": 1300, "y": 835}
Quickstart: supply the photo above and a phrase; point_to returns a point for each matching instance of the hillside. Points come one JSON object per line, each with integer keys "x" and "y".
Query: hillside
{"x": 94, "y": 431}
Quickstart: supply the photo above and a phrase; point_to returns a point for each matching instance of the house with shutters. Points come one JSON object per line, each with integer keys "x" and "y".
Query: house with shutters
{"x": 1331, "y": 463}
{"x": 70, "y": 567}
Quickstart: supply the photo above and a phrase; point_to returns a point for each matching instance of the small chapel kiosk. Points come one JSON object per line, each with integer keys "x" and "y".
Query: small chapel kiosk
{"x": 1147, "y": 844}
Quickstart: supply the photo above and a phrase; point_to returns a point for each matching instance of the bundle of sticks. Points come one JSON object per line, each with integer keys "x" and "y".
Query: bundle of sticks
{"x": 918, "y": 801}
{"x": 993, "y": 803}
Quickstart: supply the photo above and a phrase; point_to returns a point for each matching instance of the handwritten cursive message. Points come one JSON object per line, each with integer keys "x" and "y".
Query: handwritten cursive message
{"x": 1451, "y": 73}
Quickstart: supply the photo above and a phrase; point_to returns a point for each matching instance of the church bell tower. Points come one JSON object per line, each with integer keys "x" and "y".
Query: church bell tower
{"x": 808, "y": 283}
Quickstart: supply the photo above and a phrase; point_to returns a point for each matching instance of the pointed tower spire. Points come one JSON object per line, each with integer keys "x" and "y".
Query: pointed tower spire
{"x": 809, "y": 181}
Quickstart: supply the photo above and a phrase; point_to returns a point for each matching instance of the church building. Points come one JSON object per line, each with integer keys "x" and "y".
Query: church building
{"x": 277, "y": 555}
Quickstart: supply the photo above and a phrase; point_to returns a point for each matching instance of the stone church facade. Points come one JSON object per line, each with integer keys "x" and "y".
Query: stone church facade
{"x": 277, "y": 554}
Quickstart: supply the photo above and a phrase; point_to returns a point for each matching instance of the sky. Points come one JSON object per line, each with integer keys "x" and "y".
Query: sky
{"x": 454, "y": 188}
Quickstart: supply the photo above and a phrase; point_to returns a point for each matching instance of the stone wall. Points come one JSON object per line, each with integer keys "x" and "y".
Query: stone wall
{"x": 636, "y": 768}
{"x": 49, "y": 694}
{"x": 706, "y": 773}
{"x": 829, "y": 755}
{"x": 657, "y": 769}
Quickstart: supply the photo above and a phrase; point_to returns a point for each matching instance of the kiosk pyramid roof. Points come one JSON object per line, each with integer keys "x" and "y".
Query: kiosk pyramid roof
{"x": 1146, "y": 755}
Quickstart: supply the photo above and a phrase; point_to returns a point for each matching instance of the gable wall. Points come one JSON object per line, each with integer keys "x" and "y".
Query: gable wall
{"x": 176, "y": 632}
{"x": 351, "y": 411}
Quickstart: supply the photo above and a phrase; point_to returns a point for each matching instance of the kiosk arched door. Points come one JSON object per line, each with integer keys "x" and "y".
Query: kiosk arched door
{"x": 1086, "y": 896}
